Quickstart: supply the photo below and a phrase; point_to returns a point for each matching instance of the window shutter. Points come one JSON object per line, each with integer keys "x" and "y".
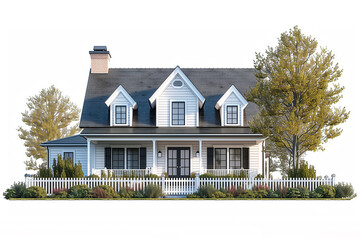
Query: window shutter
{"x": 108, "y": 158}
{"x": 246, "y": 158}
{"x": 142, "y": 158}
{"x": 210, "y": 158}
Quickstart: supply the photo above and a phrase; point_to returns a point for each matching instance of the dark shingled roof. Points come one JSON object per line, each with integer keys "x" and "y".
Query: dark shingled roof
{"x": 73, "y": 141}
{"x": 141, "y": 83}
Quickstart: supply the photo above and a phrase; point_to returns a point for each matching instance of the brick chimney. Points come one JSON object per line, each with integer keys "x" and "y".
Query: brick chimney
{"x": 100, "y": 58}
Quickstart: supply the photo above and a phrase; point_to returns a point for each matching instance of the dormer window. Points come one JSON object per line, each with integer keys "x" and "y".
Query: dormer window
{"x": 178, "y": 113}
{"x": 120, "y": 114}
{"x": 232, "y": 114}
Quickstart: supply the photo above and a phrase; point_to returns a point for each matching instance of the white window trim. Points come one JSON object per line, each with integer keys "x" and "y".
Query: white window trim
{"x": 170, "y": 107}
{"x": 114, "y": 115}
{"x": 225, "y": 113}
{"x": 177, "y": 79}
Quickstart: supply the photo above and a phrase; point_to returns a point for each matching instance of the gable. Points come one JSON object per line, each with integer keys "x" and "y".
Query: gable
{"x": 176, "y": 74}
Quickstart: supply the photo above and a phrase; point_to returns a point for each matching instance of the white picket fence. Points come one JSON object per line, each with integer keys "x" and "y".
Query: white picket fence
{"x": 177, "y": 186}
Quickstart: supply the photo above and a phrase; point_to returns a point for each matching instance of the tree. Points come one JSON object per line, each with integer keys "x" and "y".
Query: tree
{"x": 296, "y": 91}
{"x": 49, "y": 116}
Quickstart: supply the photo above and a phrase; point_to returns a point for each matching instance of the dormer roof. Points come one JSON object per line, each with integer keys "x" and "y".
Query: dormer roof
{"x": 167, "y": 82}
{"x": 116, "y": 93}
{"x": 227, "y": 94}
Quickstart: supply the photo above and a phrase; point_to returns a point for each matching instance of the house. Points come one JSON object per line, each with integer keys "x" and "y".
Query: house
{"x": 177, "y": 121}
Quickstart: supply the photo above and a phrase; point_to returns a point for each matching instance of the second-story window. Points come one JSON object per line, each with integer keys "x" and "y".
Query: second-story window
{"x": 120, "y": 114}
{"x": 232, "y": 115}
{"x": 178, "y": 113}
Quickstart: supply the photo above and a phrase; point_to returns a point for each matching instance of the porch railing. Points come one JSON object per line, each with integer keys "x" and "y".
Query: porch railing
{"x": 130, "y": 173}
{"x": 247, "y": 173}
{"x": 178, "y": 186}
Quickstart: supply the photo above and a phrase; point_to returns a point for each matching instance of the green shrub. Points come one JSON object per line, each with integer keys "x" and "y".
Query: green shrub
{"x": 153, "y": 191}
{"x": 247, "y": 194}
{"x": 60, "y": 193}
{"x": 304, "y": 171}
{"x": 207, "y": 175}
{"x": 343, "y": 190}
{"x": 193, "y": 195}
{"x": 326, "y": 191}
{"x": 219, "y": 194}
{"x": 138, "y": 194}
{"x": 151, "y": 175}
{"x": 261, "y": 193}
{"x": 166, "y": 174}
{"x": 272, "y": 194}
{"x": 99, "y": 192}
{"x": 35, "y": 192}
{"x": 193, "y": 175}
{"x": 126, "y": 193}
{"x": 234, "y": 191}
{"x": 292, "y": 193}
{"x": 45, "y": 173}
{"x": 93, "y": 176}
{"x": 259, "y": 176}
{"x": 314, "y": 194}
{"x": 80, "y": 191}
{"x": 281, "y": 192}
{"x": 78, "y": 172}
{"x": 9, "y": 193}
{"x": 15, "y": 191}
{"x": 108, "y": 190}
{"x": 206, "y": 191}
{"x": 304, "y": 192}
{"x": 69, "y": 168}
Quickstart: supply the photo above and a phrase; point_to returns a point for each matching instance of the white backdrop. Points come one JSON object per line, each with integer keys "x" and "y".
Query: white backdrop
{"x": 44, "y": 44}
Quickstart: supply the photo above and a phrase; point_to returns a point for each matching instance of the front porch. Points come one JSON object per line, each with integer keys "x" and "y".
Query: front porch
{"x": 175, "y": 157}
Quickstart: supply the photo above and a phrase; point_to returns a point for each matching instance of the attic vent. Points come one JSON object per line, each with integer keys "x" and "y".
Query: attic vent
{"x": 177, "y": 83}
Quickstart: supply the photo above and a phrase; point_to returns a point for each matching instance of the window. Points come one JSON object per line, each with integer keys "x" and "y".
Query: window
{"x": 178, "y": 113}
{"x": 68, "y": 155}
{"x": 118, "y": 156}
{"x": 133, "y": 158}
{"x": 235, "y": 158}
{"x": 220, "y": 158}
{"x": 120, "y": 114}
{"x": 232, "y": 115}
{"x": 177, "y": 84}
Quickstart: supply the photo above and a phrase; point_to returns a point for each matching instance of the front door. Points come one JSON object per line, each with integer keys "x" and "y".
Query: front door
{"x": 178, "y": 162}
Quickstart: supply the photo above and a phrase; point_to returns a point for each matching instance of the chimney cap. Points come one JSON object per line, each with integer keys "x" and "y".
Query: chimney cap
{"x": 100, "y": 50}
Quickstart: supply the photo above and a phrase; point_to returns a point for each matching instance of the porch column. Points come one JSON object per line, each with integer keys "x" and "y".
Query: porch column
{"x": 88, "y": 157}
{"x": 200, "y": 155}
{"x": 153, "y": 170}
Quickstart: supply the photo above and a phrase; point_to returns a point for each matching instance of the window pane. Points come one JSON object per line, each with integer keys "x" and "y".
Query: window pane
{"x": 117, "y": 158}
{"x": 235, "y": 158}
{"x": 132, "y": 158}
{"x": 220, "y": 158}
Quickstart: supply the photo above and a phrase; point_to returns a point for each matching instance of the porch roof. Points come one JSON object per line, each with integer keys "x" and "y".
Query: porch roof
{"x": 170, "y": 131}
{"x": 75, "y": 140}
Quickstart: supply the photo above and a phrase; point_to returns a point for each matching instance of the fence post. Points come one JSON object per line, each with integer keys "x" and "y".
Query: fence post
{"x": 197, "y": 182}
{"x": 333, "y": 179}
{"x": 163, "y": 183}
{"x": 26, "y": 182}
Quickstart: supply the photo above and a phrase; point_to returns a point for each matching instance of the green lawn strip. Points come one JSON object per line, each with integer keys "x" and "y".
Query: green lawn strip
{"x": 112, "y": 199}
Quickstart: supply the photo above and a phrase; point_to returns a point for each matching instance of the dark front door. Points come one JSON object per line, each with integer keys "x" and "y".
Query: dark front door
{"x": 178, "y": 162}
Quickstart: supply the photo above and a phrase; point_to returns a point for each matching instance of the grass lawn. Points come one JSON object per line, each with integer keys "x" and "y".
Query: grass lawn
{"x": 189, "y": 199}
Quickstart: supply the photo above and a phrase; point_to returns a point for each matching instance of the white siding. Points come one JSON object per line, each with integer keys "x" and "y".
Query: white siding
{"x": 121, "y": 100}
{"x": 163, "y": 106}
{"x": 80, "y": 154}
{"x": 232, "y": 100}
